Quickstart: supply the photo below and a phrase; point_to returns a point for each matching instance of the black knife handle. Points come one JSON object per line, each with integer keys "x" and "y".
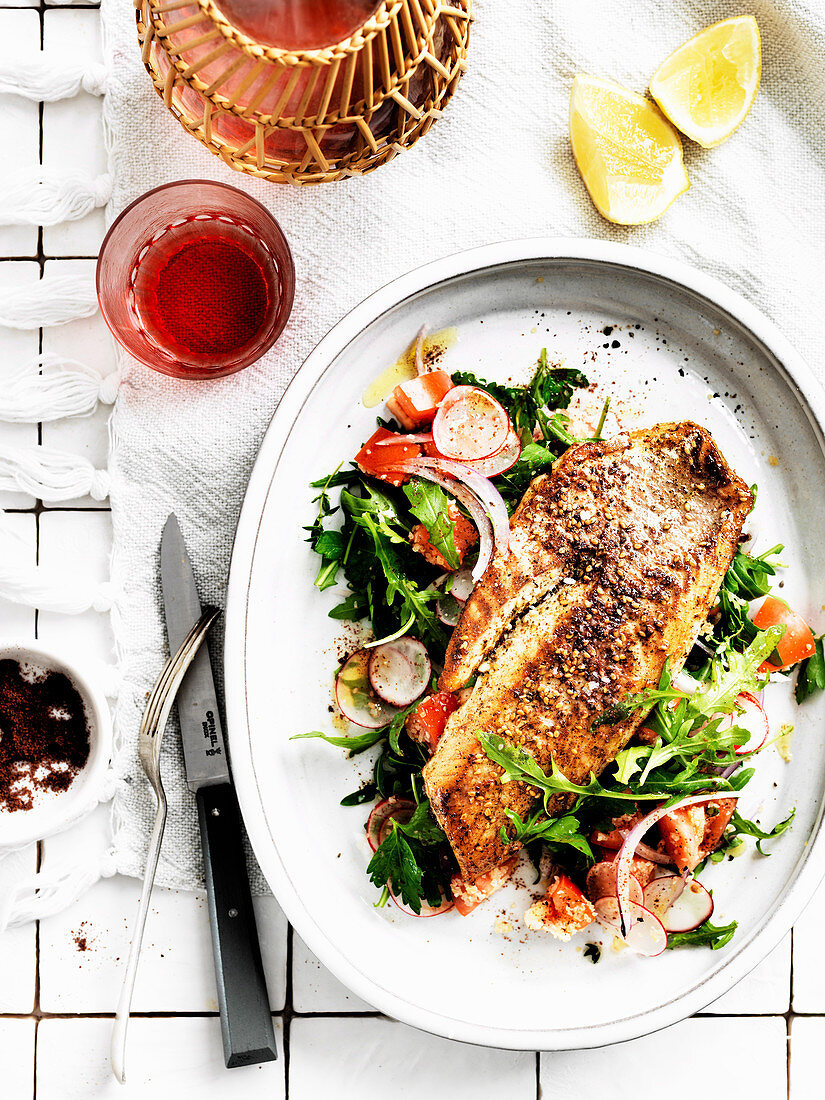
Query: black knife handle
{"x": 246, "y": 1021}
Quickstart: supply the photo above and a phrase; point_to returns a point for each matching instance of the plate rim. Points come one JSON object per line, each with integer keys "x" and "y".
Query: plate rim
{"x": 811, "y": 868}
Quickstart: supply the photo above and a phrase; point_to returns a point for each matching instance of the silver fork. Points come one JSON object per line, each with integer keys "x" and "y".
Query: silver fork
{"x": 152, "y": 727}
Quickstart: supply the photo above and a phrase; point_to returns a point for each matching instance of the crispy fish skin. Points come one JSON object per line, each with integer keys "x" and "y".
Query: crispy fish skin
{"x": 614, "y": 561}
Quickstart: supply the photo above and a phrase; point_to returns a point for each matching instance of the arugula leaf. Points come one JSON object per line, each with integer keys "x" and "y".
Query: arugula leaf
{"x": 519, "y": 765}
{"x": 534, "y": 459}
{"x": 353, "y": 608}
{"x": 364, "y": 794}
{"x": 355, "y": 744}
{"x": 325, "y": 543}
{"x": 552, "y": 831}
{"x": 377, "y": 507}
{"x": 593, "y": 952}
{"x": 627, "y": 762}
{"x": 430, "y": 504}
{"x": 742, "y": 826}
{"x": 550, "y": 388}
{"x": 811, "y": 678}
{"x": 738, "y": 672}
{"x": 414, "y": 600}
{"x": 397, "y": 725}
{"x": 747, "y": 579}
{"x": 711, "y": 935}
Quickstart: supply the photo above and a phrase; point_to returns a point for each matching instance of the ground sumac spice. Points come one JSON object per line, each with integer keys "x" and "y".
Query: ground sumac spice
{"x": 44, "y": 733}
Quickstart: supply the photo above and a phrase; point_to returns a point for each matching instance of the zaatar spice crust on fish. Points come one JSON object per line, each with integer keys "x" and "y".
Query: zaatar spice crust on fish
{"x": 614, "y": 560}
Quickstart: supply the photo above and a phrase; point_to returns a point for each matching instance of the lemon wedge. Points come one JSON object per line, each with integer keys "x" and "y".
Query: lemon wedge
{"x": 708, "y": 85}
{"x": 629, "y": 156}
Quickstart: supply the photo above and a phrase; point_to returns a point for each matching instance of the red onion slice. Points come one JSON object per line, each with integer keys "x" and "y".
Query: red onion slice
{"x": 399, "y": 671}
{"x": 481, "y": 488}
{"x": 477, "y": 510}
{"x": 623, "y": 861}
{"x": 355, "y": 697}
{"x": 643, "y": 851}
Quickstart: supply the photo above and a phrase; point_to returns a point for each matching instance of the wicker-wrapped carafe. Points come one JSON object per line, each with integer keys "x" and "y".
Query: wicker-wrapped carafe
{"x": 307, "y": 115}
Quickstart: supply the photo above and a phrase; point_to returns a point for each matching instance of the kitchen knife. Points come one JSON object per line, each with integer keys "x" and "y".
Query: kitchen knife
{"x": 246, "y": 1021}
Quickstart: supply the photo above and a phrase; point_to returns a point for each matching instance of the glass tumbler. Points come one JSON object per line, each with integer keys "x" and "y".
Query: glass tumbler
{"x": 195, "y": 279}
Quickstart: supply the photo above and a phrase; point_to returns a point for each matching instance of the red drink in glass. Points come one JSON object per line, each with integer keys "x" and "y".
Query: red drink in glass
{"x": 196, "y": 279}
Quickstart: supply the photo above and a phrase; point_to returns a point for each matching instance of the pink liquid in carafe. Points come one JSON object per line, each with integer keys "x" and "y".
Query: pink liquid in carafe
{"x": 298, "y": 24}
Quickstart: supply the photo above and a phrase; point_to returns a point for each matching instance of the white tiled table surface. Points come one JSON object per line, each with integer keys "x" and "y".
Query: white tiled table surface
{"x": 763, "y": 1040}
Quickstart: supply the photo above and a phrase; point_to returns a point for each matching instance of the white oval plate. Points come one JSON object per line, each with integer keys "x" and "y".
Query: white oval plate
{"x": 456, "y": 976}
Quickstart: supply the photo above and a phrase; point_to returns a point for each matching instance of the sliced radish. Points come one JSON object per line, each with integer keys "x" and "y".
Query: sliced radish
{"x": 601, "y": 883}
{"x": 384, "y": 812}
{"x": 623, "y": 861}
{"x": 399, "y": 671}
{"x": 462, "y": 586}
{"x": 661, "y": 893}
{"x": 683, "y": 681}
{"x": 449, "y": 609}
{"x": 426, "y": 910}
{"x": 502, "y": 460}
{"x": 355, "y": 697}
{"x": 470, "y": 424}
{"x": 754, "y": 719}
{"x": 693, "y": 907}
{"x": 644, "y": 932}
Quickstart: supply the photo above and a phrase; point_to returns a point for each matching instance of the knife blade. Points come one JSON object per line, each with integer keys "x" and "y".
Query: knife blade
{"x": 246, "y": 1020}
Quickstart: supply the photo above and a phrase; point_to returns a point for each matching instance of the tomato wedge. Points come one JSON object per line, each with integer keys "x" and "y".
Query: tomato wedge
{"x": 427, "y": 721}
{"x": 798, "y": 641}
{"x": 381, "y": 461}
{"x": 470, "y": 424}
{"x": 415, "y": 402}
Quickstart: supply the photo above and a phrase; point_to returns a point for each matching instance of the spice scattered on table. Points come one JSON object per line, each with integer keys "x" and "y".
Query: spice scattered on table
{"x": 44, "y": 733}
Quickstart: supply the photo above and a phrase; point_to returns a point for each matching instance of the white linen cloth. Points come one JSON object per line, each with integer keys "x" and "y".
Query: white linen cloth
{"x": 496, "y": 166}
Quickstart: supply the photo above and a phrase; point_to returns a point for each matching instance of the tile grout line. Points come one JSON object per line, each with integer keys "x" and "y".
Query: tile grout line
{"x": 288, "y": 1006}
{"x": 37, "y": 509}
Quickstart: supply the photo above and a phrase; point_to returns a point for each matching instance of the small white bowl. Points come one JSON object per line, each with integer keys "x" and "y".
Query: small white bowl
{"x": 56, "y": 810}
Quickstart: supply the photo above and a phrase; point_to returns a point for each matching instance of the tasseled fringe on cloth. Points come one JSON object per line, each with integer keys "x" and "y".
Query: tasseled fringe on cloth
{"x": 54, "y": 300}
{"x": 45, "y": 893}
{"x": 43, "y": 197}
{"x": 66, "y": 388}
{"x": 51, "y": 475}
{"x": 47, "y": 590}
{"x": 44, "y": 81}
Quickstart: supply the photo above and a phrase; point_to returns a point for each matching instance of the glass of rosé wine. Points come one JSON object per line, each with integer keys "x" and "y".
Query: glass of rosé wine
{"x": 195, "y": 279}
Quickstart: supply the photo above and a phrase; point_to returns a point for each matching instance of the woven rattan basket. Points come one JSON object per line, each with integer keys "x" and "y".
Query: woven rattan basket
{"x": 306, "y": 116}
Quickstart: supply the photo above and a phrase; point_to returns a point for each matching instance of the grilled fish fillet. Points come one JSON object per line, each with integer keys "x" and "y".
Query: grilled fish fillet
{"x": 614, "y": 561}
